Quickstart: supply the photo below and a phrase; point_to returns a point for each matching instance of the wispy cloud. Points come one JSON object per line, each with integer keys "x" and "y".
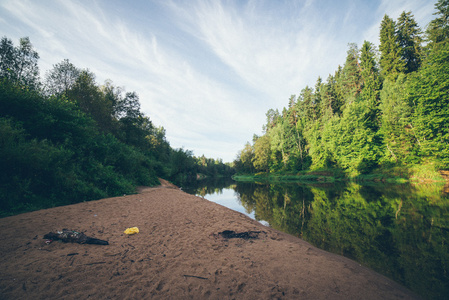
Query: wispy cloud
{"x": 266, "y": 54}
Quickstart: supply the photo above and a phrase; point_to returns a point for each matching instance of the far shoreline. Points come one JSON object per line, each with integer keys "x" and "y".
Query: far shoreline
{"x": 398, "y": 176}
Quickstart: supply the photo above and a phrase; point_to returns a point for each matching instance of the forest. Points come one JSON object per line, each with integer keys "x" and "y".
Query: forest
{"x": 385, "y": 110}
{"x": 66, "y": 139}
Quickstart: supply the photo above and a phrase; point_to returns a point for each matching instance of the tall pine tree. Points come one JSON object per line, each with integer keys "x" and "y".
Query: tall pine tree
{"x": 438, "y": 29}
{"x": 352, "y": 84}
{"x": 371, "y": 83}
{"x": 410, "y": 40}
{"x": 391, "y": 62}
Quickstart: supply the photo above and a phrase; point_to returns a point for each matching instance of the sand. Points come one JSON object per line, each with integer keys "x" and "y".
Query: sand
{"x": 179, "y": 253}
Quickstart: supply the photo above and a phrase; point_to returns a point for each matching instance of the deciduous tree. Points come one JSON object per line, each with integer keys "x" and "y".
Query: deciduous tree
{"x": 19, "y": 64}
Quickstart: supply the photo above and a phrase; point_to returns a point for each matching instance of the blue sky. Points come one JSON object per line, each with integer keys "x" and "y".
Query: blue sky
{"x": 207, "y": 71}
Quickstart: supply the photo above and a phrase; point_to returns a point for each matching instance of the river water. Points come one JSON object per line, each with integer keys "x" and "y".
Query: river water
{"x": 398, "y": 230}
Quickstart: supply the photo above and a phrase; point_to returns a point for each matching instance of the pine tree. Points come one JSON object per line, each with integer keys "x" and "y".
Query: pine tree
{"x": 356, "y": 147}
{"x": 306, "y": 104}
{"x": 391, "y": 62}
{"x": 428, "y": 94}
{"x": 370, "y": 73}
{"x": 371, "y": 83}
{"x": 410, "y": 40}
{"x": 352, "y": 83}
{"x": 438, "y": 29}
{"x": 317, "y": 99}
{"x": 397, "y": 131}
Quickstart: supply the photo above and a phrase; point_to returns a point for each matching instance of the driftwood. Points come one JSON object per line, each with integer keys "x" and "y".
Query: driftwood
{"x": 72, "y": 236}
{"x": 229, "y": 234}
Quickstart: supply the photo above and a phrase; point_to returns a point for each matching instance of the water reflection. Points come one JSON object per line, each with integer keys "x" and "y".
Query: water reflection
{"x": 401, "y": 231}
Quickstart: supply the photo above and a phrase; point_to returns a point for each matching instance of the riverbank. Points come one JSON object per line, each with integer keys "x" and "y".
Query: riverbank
{"x": 184, "y": 250}
{"x": 414, "y": 174}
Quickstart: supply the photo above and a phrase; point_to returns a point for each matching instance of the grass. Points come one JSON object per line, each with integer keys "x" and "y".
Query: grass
{"x": 305, "y": 177}
{"x": 403, "y": 174}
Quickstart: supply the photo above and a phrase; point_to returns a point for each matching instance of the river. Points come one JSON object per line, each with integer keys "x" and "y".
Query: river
{"x": 398, "y": 230}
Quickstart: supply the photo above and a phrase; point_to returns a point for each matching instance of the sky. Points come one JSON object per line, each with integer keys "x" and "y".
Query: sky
{"x": 207, "y": 71}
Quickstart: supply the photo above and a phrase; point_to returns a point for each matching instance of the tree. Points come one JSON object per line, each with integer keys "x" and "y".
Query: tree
{"x": 262, "y": 154}
{"x": 88, "y": 96}
{"x": 428, "y": 95}
{"x": 351, "y": 76}
{"x": 327, "y": 98}
{"x": 391, "y": 62}
{"x": 61, "y": 78}
{"x": 272, "y": 118}
{"x": 356, "y": 147}
{"x": 7, "y": 58}
{"x": 317, "y": 101}
{"x": 369, "y": 72}
{"x": 410, "y": 40}
{"x": 438, "y": 29}
{"x": 306, "y": 106}
{"x": 331, "y": 103}
{"x": 396, "y": 128}
{"x": 244, "y": 160}
{"x": 182, "y": 164}
{"x": 128, "y": 106}
{"x": 371, "y": 83}
{"x": 19, "y": 64}
{"x": 294, "y": 139}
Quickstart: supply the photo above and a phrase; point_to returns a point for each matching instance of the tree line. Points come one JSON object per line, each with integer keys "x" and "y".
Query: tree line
{"x": 65, "y": 138}
{"x": 384, "y": 108}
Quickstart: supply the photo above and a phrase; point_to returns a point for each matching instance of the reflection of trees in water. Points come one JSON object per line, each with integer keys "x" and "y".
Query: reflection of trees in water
{"x": 208, "y": 186}
{"x": 401, "y": 231}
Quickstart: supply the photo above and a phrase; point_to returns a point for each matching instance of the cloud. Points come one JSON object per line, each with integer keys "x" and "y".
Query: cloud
{"x": 264, "y": 56}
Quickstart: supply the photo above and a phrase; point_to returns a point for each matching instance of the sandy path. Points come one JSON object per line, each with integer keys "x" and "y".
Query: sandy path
{"x": 178, "y": 254}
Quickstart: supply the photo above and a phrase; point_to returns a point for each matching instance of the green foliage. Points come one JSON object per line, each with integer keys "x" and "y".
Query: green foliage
{"x": 244, "y": 161}
{"x": 371, "y": 80}
{"x": 61, "y": 78}
{"x": 428, "y": 95}
{"x": 438, "y": 29}
{"x": 410, "y": 40}
{"x": 30, "y": 168}
{"x": 376, "y": 112}
{"x": 262, "y": 153}
{"x": 357, "y": 146}
{"x": 351, "y": 77}
{"x": 317, "y": 147}
{"x": 53, "y": 154}
{"x": 89, "y": 98}
{"x": 397, "y": 130}
{"x": 391, "y": 62}
{"x": 19, "y": 64}
{"x": 76, "y": 141}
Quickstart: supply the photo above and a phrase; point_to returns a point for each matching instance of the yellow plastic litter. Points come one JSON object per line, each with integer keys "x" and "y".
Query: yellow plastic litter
{"x": 132, "y": 230}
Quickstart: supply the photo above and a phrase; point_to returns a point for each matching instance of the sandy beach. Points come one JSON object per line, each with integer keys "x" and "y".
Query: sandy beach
{"x": 180, "y": 252}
